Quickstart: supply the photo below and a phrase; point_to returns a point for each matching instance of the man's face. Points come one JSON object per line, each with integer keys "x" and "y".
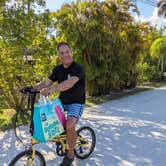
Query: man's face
{"x": 65, "y": 54}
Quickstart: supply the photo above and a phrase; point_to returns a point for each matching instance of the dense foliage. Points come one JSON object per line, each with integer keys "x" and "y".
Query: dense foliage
{"x": 25, "y": 47}
{"x": 105, "y": 38}
{"x": 114, "y": 50}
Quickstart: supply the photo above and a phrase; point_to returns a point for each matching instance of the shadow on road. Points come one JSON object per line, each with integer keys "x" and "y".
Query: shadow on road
{"x": 129, "y": 132}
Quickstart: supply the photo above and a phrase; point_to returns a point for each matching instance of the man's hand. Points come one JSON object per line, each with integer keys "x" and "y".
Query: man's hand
{"x": 48, "y": 91}
{"x": 44, "y": 92}
{"x": 45, "y": 84}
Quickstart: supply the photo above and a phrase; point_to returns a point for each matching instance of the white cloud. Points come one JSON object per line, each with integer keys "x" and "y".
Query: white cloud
{"x": 154, "y": 19}
{"x": 139, "y": 19}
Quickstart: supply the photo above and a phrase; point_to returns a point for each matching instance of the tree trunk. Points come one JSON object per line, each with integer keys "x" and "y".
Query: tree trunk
{"x": 158, "y": 66}
{"x": 162, "y": 63}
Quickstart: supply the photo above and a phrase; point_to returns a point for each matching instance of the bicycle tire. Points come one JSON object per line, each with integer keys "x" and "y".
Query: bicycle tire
{"x": 78, "y": 155}
{"x": 28, "y": 152}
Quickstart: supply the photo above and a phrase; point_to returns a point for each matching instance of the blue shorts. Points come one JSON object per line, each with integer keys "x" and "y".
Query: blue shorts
{"x": 74, "y": 110}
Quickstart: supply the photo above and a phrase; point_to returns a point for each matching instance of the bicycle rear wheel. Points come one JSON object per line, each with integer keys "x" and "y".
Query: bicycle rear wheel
{"x": 24, "y": 159}
{"x": 86, "y": 142}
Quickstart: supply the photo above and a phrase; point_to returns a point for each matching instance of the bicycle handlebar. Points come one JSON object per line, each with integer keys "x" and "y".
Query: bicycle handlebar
{"x": 29, "y": 90}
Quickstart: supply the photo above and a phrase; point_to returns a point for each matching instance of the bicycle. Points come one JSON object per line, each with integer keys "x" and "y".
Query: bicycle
{"x": 85, "y": 144}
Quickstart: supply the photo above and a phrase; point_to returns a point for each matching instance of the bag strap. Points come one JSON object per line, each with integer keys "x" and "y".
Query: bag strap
{"x": 44, "y": 100}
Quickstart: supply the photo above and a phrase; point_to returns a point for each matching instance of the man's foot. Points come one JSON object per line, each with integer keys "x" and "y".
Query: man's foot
{"x": 67, "y": 161}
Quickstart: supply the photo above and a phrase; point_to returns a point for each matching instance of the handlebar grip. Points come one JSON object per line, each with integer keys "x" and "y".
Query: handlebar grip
{"x": 28, "y": 89}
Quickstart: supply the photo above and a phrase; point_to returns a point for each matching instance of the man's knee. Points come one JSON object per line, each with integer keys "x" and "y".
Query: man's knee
{"x": 70, "y": 124}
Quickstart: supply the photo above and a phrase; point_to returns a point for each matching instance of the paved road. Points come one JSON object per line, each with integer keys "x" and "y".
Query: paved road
{"x": 130, "y": 132}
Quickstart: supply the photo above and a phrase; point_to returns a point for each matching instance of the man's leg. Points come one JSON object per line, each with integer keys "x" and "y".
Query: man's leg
{"x": 74, "y": 110}
{"x": 71, "y": 135}
{"x": 71, "y": 140}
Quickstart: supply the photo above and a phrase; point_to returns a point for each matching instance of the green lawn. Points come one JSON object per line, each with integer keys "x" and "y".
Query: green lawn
{"x": 6, "y": 115}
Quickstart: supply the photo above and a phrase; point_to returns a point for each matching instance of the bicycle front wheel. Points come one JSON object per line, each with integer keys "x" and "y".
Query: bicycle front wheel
{"x": 86, "y": 141}
{"x": 25, "y": 159}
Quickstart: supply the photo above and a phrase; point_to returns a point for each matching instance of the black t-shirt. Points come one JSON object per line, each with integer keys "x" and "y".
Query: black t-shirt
{"x": 76, "y": 94}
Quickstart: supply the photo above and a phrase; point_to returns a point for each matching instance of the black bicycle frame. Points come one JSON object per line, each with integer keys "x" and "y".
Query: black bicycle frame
{"x": 32, "y": 102}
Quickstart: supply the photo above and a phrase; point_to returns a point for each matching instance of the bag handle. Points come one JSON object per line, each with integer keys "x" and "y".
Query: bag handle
{"x": 44, "y": 100}
{"x": 48, "y": 100}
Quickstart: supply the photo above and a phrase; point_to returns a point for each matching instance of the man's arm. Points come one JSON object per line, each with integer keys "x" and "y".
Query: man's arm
{"x": 44, "y": 84}
{"x": 63, "y": 86}
{"x": 67, "y": 84}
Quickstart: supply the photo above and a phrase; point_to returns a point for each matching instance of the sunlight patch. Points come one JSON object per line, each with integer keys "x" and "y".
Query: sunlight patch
{"x": 126, "y": 163}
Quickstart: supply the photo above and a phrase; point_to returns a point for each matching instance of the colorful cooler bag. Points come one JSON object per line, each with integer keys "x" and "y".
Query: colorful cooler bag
{"x": 49, "y": 120}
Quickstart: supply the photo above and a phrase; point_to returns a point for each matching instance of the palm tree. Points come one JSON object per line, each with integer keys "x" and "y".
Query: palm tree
{"x": 161, "y": 8}
{"x": 105, "y": 39}
{"x": 158, "y": 50}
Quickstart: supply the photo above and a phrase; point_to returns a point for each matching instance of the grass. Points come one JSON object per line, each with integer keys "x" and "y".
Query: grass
{"x": 123, "y": 93}
{"x": 113, "y": 96}
{"x": 6, "y": 115}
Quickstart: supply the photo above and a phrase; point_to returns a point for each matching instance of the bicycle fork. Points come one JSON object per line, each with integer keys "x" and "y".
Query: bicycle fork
{"x": 31, "y": 157}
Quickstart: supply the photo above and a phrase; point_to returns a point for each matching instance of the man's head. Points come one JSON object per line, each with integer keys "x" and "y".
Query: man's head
{"x": 64, "y": 53}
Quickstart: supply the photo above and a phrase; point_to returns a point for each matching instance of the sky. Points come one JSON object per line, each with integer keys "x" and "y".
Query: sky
{"x": 148, "y": 12}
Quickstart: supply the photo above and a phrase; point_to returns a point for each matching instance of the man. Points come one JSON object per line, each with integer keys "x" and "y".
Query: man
{"x": 71, "y": 85}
